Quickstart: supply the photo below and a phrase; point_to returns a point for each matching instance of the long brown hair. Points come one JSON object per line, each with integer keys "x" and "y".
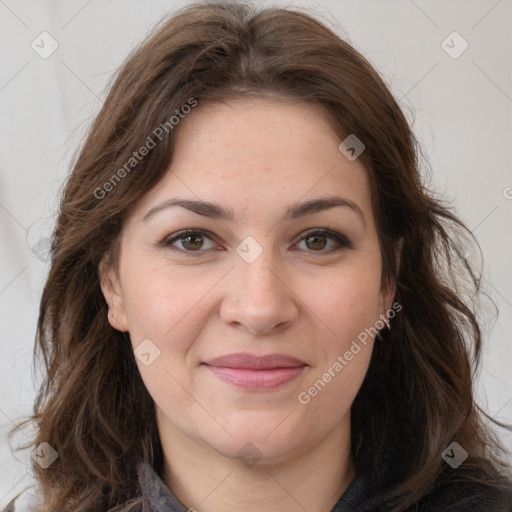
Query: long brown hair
{"x": 93, "y": 407}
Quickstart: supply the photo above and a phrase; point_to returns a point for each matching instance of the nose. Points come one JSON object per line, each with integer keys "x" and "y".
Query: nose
{"x": 260, "y": 297}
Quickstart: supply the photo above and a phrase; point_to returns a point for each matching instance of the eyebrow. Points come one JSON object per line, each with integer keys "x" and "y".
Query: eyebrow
{"x": 218, "y": 212}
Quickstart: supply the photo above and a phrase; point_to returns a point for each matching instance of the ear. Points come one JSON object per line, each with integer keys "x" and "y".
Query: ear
{"x": 388, "y": 289}
{"x": 387, "y": 294}
{"x": 111, "y": 288}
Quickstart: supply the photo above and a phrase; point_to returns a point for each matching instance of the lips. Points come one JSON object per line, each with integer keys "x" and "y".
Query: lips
{"x": 248, "y": 361}
{"x": 256, "y": 372}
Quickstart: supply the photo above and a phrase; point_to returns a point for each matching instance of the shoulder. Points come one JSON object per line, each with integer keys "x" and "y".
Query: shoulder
{"x": 467, "y": 497}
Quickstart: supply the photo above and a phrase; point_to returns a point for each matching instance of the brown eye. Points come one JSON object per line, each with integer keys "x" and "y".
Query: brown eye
{"x": 316, "y": 242}
{"x": 190, "y": 242}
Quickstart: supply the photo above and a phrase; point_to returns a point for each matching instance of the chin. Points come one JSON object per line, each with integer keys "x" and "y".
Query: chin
{"x": 260, "y": 442}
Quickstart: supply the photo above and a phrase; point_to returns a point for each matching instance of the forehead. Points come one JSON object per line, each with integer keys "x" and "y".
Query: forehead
{"x": 247, "y": 154}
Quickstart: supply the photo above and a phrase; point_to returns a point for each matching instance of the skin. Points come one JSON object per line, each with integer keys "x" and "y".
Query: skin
{"x": 298, "y": 298}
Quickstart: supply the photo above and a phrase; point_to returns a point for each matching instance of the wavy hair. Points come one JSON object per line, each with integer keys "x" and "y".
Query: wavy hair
{"x": 93, "y": 407}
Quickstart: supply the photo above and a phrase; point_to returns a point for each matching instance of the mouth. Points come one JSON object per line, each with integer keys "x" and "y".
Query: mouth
{"x": 251, "y": 372}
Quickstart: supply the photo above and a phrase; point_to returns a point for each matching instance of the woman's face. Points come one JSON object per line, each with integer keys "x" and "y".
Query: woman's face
{"x": 251, "y": 282}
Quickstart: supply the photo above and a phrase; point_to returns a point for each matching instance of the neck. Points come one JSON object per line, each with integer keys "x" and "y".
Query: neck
{"x": 210, "y": 482}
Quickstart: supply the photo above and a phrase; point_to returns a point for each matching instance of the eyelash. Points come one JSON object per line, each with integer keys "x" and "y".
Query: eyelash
{"x": 342, "y": 241}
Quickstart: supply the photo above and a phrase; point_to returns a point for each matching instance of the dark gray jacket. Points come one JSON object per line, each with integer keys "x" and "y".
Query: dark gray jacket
{"x": 450, "y": 497}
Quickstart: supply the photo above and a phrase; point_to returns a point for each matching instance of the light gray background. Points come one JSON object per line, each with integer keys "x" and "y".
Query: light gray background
{"x": 461, "y": 109}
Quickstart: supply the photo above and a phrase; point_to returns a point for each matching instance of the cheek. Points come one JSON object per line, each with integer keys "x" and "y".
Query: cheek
{"x": 153, "y": 299}
{"x": 347, "y": 303}
{"x": 166, "y": 305}
{"x": 167, "y": 308}
{"x": 347, "y": 308}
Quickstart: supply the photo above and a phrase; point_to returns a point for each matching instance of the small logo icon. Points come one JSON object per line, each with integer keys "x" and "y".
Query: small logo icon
{"x": 454, "y": 45}
{"x": 454, "y": 455}
{"x": 249, "y": 250}
{"x": 249, "y": 454}
{"x": 44, "y": 455}
{"x": 146, "y": 352}
{"x": 39, "y": 238}
{"x": 44, "y": 45}
{"x": 351, "y": 147}
{"x": 41, "y": 249}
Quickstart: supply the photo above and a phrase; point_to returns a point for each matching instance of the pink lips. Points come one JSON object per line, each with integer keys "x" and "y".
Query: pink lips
{"x": 257, "y": 373}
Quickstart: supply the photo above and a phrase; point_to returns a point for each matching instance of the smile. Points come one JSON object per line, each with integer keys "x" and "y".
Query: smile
{"x": 256, "y": 379}
{"x": 252, "y": 372}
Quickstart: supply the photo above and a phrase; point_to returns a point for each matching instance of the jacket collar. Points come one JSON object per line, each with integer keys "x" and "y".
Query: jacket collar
{"x": 159, "y": 498}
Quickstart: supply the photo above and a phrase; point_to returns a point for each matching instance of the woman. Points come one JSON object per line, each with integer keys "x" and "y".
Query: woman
{"x": 253, "y": 301}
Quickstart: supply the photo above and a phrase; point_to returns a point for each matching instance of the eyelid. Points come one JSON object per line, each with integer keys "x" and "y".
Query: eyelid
{"x": 342, "y": 241}
{"x": 174, "y": 237}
